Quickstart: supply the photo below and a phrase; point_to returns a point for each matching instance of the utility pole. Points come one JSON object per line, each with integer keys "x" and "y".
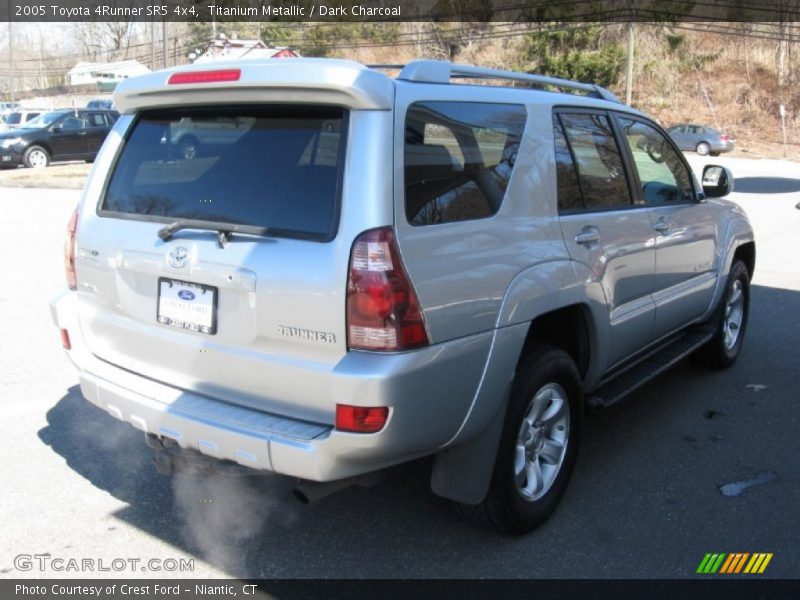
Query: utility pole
{"x": 629, "y": 77}
{"x": 12, "y": 82}
{"x": 152, "y": 45}
{"x": 164, "y": 41}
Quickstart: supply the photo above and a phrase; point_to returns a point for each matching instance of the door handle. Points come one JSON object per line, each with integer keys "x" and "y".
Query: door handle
{"x": 588, "y": 235}
{"x": 661, "y": 225}
{"x": 81, "y": 133}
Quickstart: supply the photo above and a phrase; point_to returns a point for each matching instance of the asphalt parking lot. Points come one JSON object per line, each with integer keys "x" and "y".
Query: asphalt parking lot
{"x": 646, "y": 499}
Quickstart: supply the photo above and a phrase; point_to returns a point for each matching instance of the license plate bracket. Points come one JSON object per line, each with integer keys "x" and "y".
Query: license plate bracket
{"x": 186, "y": 305}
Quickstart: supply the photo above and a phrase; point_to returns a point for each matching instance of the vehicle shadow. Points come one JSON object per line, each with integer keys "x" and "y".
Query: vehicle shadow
{"x": 766, "y": 185}
{"x": 252, "y": 527}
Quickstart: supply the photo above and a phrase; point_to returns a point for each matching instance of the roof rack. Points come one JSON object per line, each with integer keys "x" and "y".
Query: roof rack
{"x": 440, "y": 71}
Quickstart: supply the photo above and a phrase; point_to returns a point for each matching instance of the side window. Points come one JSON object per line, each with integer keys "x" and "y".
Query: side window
{"x": 568, "y": 189}
{"x": 598, "y": 160}
{"x": 459, "y": 157}
{"x": 71, "y": 123}
{"x": 96, "y": 120}
{"x": 662, "y": 174}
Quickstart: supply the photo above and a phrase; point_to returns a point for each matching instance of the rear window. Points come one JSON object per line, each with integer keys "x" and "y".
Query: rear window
{"x": 277, "y": 168}
{"x": 13, "y": 118}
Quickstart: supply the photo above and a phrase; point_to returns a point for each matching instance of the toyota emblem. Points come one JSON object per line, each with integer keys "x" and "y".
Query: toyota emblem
{"x": 178, "y": 257}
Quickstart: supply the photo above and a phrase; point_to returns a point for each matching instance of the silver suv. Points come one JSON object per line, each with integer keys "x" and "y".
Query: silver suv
{"x": 366, "y": 270}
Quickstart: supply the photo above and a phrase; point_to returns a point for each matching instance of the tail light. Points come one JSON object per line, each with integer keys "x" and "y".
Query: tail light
{"x": 69, "y": 250}
{"x": 383, "y": 311}
{"x": 724, "y": 137}
{"x": 361, "y": 419}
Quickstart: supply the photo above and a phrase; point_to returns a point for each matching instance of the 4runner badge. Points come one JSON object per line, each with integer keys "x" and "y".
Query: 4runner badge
{"x": 306, "y": 334}
{"x": 178, "y": 257}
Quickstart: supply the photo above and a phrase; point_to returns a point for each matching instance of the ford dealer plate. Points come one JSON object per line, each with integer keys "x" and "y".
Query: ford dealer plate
{"x": 187, "y": 305}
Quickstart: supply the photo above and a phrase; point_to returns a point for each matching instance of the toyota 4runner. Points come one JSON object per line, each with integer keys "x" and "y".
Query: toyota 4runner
{"x": 349, "y": 271}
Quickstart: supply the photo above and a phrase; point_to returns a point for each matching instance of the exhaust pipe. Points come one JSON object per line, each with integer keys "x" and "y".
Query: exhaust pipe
{"x": 311, "y": 491}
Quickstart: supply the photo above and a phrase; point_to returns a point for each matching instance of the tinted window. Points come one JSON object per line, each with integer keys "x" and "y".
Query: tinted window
{"x": 13, "y": 118}
{"x": 458, "y": 159}
{"x": 32, "y": 115}
{"x": 96, "y": 120}
{"x": 73, "y": 123}
{"x": 662, "y": 174}
{"x": 569, "y": 191}
{"x": 602, "y": 176}
{"x": 272, "y": 167}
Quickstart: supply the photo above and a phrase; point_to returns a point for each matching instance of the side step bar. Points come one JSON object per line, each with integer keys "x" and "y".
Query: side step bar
{"x": 652, "y": 364}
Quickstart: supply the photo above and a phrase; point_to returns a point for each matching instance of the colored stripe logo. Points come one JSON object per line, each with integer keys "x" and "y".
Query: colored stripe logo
{"x": 734, "y": 563}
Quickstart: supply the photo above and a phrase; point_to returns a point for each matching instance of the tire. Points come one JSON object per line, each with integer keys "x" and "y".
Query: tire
{"x": 546, "y": 379}
{"x": 188, "y": 147}
{"x": 730, "y": 320}
{"x": 36, "y": 157}
{"x": 703, "y": 148}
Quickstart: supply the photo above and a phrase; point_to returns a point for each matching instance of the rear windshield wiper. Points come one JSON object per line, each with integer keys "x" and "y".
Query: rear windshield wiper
{"x": 224, "y": 230}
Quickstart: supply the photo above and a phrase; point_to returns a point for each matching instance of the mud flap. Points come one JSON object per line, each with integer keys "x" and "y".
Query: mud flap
{"x": 463, "y": 473}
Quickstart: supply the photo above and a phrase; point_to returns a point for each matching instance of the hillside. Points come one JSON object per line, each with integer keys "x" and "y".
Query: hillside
{"x": 681, "y": 73}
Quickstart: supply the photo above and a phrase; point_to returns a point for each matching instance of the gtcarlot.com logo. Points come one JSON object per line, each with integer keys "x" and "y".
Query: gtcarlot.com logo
{"x": 46, "y": 562}
{"x": 735, "y": 563}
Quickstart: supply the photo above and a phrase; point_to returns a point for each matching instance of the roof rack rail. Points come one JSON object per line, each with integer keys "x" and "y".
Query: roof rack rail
{"x": 385, "y": 66}
{"x": 440, "y": 71}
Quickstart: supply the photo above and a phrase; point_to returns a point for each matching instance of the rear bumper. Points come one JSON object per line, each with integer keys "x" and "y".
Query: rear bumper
{"x": 722, "y": 146}
{"x": 429, "y": 393}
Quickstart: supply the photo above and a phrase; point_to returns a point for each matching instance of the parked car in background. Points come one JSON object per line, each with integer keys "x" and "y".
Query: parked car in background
{"x": 65, "y": 134}
{"x": 100, "y": 103}
{"x": 7, "y": 107}
{"x": 701, "y": 139}
{"x": 19, "y": 117}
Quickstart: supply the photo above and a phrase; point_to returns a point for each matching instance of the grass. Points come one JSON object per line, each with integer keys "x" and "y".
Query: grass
{"x": 64, "y": 176}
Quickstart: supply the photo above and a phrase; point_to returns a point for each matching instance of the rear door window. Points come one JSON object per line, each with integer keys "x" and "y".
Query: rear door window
{"x": 459, "y": 157}
{"x": 598, "y": 160}
{"x": 277, "y": 168}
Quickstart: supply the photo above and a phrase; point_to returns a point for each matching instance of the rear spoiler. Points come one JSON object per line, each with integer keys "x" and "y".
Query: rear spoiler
{"x": 285, "y": 80}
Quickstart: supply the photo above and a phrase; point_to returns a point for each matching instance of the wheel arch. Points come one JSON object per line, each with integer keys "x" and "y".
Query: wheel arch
{"x": 535, "y": 309}
{"x": 44, "y": 145}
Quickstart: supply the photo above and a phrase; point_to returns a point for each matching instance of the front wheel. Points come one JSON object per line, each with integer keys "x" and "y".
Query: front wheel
{"x": 730, "y": 321}
{"x": 36, "y": 157}
{"x": 539, "y": 444}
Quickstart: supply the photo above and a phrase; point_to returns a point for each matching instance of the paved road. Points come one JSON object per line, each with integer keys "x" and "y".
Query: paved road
{"x": 644, "y": 500}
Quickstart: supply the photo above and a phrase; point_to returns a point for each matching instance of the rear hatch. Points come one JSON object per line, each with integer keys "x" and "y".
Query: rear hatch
{"x": 212, "y": 262}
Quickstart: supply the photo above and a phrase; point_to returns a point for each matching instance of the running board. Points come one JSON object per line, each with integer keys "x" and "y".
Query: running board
{"x": 650, "y": 366}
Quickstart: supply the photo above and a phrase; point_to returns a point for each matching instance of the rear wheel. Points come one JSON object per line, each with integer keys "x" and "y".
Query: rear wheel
{"x": 731, "y": 321}
{"x": 539, "y": 443}
{"x": 703, "y": 148}
{"x": 36, "y": 157}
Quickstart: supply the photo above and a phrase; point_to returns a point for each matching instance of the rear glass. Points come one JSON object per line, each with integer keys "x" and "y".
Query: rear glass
{"x": 276, "y": 167}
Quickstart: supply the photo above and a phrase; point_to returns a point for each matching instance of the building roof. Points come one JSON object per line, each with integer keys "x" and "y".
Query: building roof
{"x": 105, "y": 67}
{"x": 230, "y": 49}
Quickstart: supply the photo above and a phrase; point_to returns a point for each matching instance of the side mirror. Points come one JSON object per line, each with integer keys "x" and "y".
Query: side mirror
{"x": 717, "y": 181}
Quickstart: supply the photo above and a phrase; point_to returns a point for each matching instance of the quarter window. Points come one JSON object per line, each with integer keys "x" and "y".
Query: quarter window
{"x": 459, "y": 157}
{"x": 662, "y": 174}
{"x": 598, "y": 160}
